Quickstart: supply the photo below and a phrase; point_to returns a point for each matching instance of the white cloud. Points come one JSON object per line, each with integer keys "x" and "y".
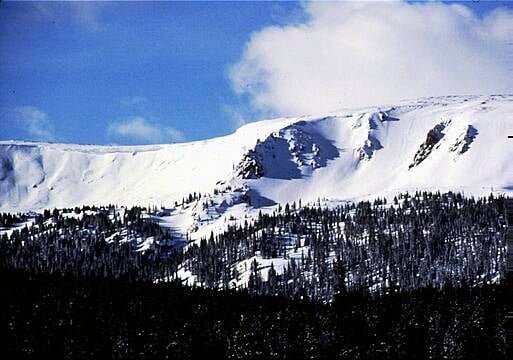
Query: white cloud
{"x": 35, "y": 122}
{"x": 355, "y": 54}
{"x": 135, "y": 102}
{"x": 138, "y": 129}
{"x": 87, "y": 14}
{"x": 237, "y": 119}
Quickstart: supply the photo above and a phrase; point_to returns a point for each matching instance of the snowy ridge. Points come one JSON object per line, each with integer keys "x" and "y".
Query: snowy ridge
{"x": 348, "y": 155}
{"x": 292, "y": 152}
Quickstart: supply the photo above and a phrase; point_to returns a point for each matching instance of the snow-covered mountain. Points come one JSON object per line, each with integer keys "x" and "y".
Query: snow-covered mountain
{"x": 197, "y": 190}
{"x": 445, "y": 143}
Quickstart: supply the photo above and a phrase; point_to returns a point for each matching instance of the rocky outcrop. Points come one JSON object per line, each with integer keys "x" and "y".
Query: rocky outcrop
{"x": 367, "y": 129}
{"x": 288, "y": 153}
{"x": 250, "y": 167}
{"x": 464, "y": 141}
{"x": 432, "y": 139}
{"x": 370, "y": 145}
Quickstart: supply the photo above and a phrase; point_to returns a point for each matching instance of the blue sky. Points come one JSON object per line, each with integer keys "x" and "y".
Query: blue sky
{"x": 134, "y": 73}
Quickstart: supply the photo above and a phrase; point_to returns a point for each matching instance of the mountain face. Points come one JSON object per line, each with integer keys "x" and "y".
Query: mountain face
{"x": 276, "y": 195}
{"x": 448, "y": 143}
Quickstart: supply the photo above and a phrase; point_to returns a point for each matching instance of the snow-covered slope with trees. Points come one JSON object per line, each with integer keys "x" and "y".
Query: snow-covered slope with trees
{"x": 444, "y": 143}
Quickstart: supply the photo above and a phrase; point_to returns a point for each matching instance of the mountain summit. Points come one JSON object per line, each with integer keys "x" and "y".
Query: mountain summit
{"x": 444, "y": 143}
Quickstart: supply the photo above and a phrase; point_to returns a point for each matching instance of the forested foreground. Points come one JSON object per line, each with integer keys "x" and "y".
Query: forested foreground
{"x": 418, "y": 240}
{"x": 97, "y": 317}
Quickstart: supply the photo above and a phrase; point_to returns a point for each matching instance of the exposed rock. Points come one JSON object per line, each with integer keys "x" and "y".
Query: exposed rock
{"x": 385, "y": 116}
{"x": 433, "y": 138}
{"x": 250, "y": 167}
{"x": 287, "y": 154}
{"x": 463, "y": 141}
{"x": 369, "y": 147}
{"x": 367, "y": 127}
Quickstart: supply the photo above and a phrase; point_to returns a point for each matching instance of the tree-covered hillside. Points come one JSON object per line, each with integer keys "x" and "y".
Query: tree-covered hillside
{"x": 416, "y": 241}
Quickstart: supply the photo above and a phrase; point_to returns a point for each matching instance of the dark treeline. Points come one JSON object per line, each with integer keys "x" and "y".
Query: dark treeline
{"x": 78, "y": 317}
{"x": 9, "y": 220}
{"x": 99, "y": 242}
{"x": 421, "y": 240}
{"x": 425, "y": 239}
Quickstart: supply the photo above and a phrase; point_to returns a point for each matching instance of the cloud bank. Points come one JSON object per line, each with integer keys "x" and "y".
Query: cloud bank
{"x": 138, "y": 129}
{"x": 356, "y": 54}
{"x": 35, "y": 122}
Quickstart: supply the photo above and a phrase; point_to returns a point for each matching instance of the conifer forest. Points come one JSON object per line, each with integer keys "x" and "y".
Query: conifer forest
{"x": 422, "y": 275}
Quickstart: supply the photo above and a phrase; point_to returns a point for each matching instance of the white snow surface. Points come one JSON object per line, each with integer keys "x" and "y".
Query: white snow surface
{"x": 355, "y": 154}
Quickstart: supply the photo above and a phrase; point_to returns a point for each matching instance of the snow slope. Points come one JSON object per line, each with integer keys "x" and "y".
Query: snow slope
{"x": 44, "y": 175}
{"x": 447, "y": 143}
